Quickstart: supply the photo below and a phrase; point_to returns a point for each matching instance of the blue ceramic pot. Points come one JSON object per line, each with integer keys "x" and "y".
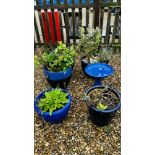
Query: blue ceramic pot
{"x": 58, "y": 115}
{"x": 103, "y": 117}
{"x": 84, "y": 65}
{"x": 57, "y": 76}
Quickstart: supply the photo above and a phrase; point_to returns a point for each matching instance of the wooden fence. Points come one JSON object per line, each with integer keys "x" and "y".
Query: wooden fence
{"x": 60, "y": 21}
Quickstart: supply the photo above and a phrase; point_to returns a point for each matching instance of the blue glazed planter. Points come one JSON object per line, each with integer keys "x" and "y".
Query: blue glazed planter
{"x": 57, "y": 76}
{"x": 103, "y": 117}
{"x": 84, "y": 65}
{"x": 57, "y": 116}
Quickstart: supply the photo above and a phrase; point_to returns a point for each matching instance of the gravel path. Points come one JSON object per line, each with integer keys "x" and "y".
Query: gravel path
{"x": 77, "y": 135}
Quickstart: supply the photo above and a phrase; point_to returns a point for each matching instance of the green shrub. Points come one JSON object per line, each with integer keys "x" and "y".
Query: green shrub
{"x": 58, "y": 60}
{"x": 89, "y": 46}
{"x": 89, "y": 41}
{"x": 53, "y": 100}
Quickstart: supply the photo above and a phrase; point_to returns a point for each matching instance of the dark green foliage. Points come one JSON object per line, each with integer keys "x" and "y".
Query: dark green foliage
{"x": 53, "y": 100}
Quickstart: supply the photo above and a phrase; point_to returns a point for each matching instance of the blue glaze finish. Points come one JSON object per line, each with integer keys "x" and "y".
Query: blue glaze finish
{"x": 99, "y": 70}
{"x": 98, "y": 82}
{"x": 57, "y": 76}
{"x": 57, "y": 116}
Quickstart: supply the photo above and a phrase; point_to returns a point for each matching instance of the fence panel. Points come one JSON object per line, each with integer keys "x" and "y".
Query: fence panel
{"x": 59, "y": 20}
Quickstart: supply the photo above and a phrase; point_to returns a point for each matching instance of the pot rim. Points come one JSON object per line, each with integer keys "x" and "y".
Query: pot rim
{"x": 105, "y": 111}
{"x": 45, "y": 68}
{"x": 106, "y": 61}
{"x": 55, "y": 112}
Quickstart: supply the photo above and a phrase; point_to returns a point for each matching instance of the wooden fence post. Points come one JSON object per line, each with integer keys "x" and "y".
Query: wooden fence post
{"x": 97, "y": 11}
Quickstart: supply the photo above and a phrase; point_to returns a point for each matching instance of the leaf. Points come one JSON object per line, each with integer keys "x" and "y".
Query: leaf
{"x": 58, "y": 60}
{"x": 101, "y": 106}
{"x": 54, "y": 99}
{"x": 36, "y": 61}
{"x": 51, "y": 111}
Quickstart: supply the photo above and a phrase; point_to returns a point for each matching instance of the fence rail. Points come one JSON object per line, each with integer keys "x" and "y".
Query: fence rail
{"x": 60, "y": 20}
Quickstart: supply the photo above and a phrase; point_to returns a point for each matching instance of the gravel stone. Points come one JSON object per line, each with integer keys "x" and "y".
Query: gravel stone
{"x": 77, "y": 135}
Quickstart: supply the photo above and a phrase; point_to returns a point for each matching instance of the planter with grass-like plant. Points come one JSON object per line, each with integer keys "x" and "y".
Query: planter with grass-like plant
{"x": 53, "y": 104}
{"x": 103, "y": 102}
{"x": 57, "y": 64}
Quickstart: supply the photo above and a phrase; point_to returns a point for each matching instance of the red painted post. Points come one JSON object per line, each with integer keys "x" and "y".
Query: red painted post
{"x": 51, "y": 27}
{"x": 45, "y": 27}
{"x": 57, "y": 25}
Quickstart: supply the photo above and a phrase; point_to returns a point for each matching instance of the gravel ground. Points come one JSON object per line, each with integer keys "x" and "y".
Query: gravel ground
{"x": 77, "y": 135}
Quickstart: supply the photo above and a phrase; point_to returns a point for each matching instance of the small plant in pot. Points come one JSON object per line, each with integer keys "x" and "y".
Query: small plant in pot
{"x": 104, "y": 55}
{"x": 88, "y": 45}
{"x": 103, "y": 102}
{"x": 57, "y": 64}
{"x": 89, "y": 48}
{"x": 53, "y": 104}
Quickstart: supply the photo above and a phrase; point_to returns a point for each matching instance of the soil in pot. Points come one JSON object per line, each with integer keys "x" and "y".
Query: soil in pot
{"x": 104, "y": 97}
{"x": 102, "y": 114}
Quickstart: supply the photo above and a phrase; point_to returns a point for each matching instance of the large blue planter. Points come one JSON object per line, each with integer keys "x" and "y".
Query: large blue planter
{"x": 57, "y": 116}
{"x": 58, "y": 76}
{"x": 103, "y": 117}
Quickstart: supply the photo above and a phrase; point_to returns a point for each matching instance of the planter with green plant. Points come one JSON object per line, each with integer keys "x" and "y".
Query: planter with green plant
{"x": 103, "y": 102}
{"x": 53, "y": 104}
{"x": 57, "y": 64}
{"x": 89, "y": 48}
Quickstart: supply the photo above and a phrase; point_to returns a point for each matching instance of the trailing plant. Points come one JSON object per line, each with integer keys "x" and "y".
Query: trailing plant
{"x": 89, "y": 41}
{"x": 53, "y": 100}
{"x": 59, "y": 59}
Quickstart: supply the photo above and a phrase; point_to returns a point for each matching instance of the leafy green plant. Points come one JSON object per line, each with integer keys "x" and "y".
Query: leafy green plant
{"x": 58, "y": 60}
{"x": 89, "y": 41}
{"x": 89, "y": 46}
{"x": 53, "y": 100}
{"x": 101, "y": 106}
